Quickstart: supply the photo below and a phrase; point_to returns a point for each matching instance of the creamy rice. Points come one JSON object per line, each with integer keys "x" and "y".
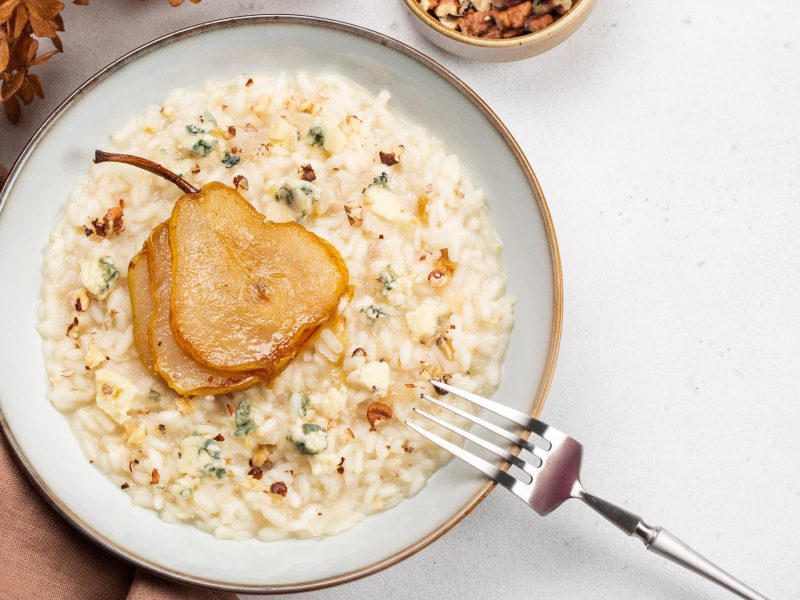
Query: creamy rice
{"x": 409, "y": 326}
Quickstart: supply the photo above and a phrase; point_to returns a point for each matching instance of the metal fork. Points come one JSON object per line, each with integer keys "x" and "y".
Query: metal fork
{"x": 555, "y": 477}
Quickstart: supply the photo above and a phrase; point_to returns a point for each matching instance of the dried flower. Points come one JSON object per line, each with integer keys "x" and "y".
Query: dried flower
{"x": 21, "y": 23}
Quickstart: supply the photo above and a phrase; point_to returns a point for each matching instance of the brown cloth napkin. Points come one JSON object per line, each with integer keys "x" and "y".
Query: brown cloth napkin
{"x": 41, "y": 556}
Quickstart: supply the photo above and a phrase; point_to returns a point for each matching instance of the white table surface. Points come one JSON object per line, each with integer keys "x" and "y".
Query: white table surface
{"x": 667, "y": 140}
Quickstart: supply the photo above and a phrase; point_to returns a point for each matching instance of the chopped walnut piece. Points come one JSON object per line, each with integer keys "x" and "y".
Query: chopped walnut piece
{"x": 558, "y": 7}
{"x": 219, "y": 437}
{"x": 98, "y": 228}
{"x": 536, "y": 23}
{"x": 444, "y": 264}
{"x": 79, "y": 299}
{"x": 496, "y": 19}
{"x": 125, "y": 485}
{"x": 256, "y": 472}
{"x": 440, "y": 276}
{"x": 230, "y": 132}
{"x": 475, "y": 23}
{"x": 355, "y": 213}
{"x": 72, "y": 329}
{"x": 359, "y": 352}
{"x": 513, "y": 17}
{"x": 307, "y": 173}
{"x": 378, "y": 412}
{"x": 278, "y": 488}
{"x": 445, "y": 344}
{"x": 510, "y": 33}
{"x": 113, "y": 219}
{"x": 446, "y": 8}
{"x": 154, "y": 477}
{"x": 185, "y": 405}
{"x": 429, "y": 371}
{"x": 260, "y": 454}
{"x": 249, "y": 82}
{"x": 388, "y": 158}
{"x": 112, "y": 222}
{"x": 93, "y": 357}
{"x": 240, "y": 181}
{"x": 436, "y": 278}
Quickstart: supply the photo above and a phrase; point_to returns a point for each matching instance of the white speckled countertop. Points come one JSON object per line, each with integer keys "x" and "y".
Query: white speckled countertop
{"x": 667, "y": 141}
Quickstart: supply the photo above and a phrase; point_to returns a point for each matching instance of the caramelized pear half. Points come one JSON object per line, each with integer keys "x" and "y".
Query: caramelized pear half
{"x": 247, "y": 294}
{"x": 181, "y": 372}
{"x": 142, "y": 304}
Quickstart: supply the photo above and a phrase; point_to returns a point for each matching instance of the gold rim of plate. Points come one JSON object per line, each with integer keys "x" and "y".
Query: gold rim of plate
{"x": 554, "y": 29}
{"x": 555, "y": 332}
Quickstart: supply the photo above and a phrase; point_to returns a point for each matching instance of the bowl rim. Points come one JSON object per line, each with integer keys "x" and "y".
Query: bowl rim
{"x": 555, "y": 261}
{"x": 521, "y": 40}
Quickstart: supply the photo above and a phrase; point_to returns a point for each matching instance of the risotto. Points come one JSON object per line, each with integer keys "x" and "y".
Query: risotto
{"x": 324, "y": 444}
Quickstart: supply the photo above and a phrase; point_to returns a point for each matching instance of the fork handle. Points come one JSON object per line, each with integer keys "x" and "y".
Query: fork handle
{"x": 660, "y": 541}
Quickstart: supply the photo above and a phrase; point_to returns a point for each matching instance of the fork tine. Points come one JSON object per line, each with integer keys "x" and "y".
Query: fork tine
{"x": 483, "y": 466}
{"x": 514, "y": 439}
{"x": 520, "y": 418}
{"x": 494, "y": 449}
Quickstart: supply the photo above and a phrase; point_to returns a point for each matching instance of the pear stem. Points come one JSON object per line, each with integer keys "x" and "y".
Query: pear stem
{"x": 147, "y": 165}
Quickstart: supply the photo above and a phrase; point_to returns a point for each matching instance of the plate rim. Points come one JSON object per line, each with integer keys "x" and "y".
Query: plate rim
{"x": 555, "y": 262}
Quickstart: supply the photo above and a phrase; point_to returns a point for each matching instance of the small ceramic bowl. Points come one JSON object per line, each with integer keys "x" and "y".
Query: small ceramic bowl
{"x": 516, "y": 48}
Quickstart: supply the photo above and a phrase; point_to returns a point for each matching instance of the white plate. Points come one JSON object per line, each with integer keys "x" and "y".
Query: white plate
{"x": 422, "y": 92}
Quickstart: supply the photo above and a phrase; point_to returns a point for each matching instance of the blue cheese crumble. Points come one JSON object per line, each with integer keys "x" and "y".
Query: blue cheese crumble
{"x": 309, "y": 438}
{"x": 201, "y": 455}
{"x": 98, "y": 275}
{"x": 298, "y": 195}
{"x": 327, "y": 136}
{"x": 244, "y": 422}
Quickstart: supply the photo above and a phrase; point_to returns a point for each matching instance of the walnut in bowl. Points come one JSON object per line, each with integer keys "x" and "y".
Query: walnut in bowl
{"x": 498, "y": 30}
